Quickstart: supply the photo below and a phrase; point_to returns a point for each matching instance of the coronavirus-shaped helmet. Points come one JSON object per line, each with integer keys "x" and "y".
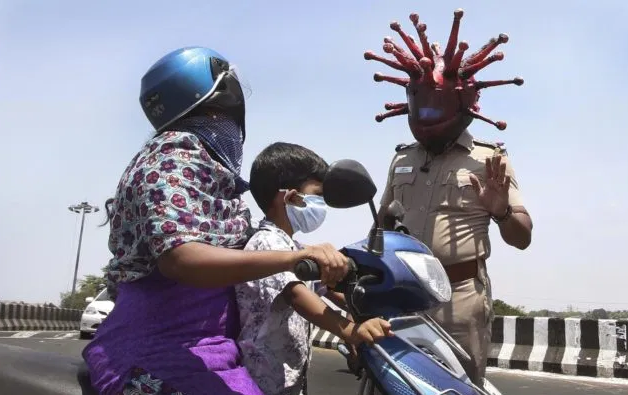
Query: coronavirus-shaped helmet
{"x": 441, "y": 89}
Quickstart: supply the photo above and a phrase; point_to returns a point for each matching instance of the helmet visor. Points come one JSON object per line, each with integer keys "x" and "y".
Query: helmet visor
{"x": 244, "y": 83}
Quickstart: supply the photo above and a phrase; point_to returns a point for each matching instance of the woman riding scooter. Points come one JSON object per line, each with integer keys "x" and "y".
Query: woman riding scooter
{"x": 178, "y": 223}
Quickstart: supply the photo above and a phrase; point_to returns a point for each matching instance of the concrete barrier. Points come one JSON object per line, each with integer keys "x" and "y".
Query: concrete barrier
{"x": 27, "y": 317}
{"x": 572, "y": 346}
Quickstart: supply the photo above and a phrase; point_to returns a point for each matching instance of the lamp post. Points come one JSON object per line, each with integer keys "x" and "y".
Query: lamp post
{"x": 82, "y": 208}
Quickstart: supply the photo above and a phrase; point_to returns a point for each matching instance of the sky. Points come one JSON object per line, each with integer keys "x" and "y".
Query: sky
{"x": 69, "y": 85}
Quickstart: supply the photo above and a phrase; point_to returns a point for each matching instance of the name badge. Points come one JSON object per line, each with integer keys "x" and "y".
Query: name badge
{"x": 403, "y": 169}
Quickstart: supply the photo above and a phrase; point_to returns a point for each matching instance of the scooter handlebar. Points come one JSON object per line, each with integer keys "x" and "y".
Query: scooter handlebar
{"x": 308, "y": 270}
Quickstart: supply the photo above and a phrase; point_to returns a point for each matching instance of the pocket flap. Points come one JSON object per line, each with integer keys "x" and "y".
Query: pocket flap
{"x": 403, "y": 178}
{"x": 460, "y": 178}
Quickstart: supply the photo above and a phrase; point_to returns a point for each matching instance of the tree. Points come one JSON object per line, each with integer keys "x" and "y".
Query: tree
{"x": 598, "y": 314}
{"x": 619, "y": 315}
{"x": 90, "y": 285}
{"x": 503, "y": 308}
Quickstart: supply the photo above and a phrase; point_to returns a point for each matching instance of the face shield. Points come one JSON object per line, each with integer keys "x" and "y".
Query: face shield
{"x": 428, "y": 106}
{"x": 234, "y": 71}
{"x": 229, "y": 94}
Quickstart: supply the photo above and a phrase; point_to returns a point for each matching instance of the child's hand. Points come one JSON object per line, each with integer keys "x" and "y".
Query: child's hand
{"x": 370, "y": 331}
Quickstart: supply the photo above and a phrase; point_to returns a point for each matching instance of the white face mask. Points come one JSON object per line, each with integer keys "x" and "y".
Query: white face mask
{"x": 309, "y": 218}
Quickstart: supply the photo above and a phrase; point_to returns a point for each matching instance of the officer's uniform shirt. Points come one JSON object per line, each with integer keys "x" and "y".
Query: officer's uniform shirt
{"x": 442, "y": 208}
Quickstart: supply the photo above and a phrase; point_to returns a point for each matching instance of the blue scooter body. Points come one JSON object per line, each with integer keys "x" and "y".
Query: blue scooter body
{"x": 420, "y": 350}
{"x": 428, "y": 375}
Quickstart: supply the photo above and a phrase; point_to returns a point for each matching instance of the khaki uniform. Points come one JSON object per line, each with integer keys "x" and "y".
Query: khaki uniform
{"x": 444, "y": 212}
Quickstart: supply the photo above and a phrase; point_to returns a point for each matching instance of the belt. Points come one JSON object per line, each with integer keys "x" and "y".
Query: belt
{"x": 462, "y": 271}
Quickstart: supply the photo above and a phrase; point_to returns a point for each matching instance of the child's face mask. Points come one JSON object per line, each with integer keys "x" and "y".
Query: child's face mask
{"x": 309, "y": 217}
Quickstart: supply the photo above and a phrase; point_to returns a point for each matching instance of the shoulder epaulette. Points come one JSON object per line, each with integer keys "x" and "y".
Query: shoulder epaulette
{"x": 498, "y": 147}
{"x": 401, "y": 147}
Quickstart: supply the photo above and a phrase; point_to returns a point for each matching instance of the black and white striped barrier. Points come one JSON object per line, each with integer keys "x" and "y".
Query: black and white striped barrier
{"x": 572, "y": 346}
{"x": 26, "y": 317}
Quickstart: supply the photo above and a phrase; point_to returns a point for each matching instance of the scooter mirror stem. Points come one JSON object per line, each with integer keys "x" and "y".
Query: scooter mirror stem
{"x": 374, "y": 213}
{"x": 376, "y": 241}
{"x": 376, "y": 235}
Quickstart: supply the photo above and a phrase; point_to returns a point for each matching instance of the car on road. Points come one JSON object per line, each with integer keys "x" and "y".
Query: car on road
{"x": 97, "y": 310}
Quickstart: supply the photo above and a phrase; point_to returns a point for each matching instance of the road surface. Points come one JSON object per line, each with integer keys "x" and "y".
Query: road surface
{"x": 328, "y": 375}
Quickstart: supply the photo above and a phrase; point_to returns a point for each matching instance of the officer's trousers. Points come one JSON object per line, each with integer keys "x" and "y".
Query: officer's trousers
{"x": 468, "y": 319}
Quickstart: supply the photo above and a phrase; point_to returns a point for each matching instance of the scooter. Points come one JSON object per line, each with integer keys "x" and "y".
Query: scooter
{"x": 396, "y": 277}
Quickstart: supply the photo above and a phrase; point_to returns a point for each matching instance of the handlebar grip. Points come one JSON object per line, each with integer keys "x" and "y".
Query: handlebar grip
{"x": 307, "y": 270}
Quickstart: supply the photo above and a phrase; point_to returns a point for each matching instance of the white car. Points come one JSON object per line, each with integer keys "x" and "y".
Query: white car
{"x": 96, "y": 311}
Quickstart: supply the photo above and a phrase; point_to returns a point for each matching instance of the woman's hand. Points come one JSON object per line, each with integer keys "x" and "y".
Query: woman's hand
{"x": 333, "y": 265}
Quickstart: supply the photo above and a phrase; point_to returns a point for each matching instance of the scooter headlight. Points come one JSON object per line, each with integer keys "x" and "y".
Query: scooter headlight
{"x": 429, "y": 271}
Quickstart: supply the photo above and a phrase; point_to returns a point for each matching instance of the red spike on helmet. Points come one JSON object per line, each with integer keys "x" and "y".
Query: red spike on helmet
{"x": 395, "y": 80}
{"x": 394, "y": 110}
{"x": 441, "y": 89}
{"x": 420, "y": 29}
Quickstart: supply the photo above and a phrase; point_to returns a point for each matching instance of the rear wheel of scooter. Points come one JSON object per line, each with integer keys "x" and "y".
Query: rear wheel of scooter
{"x": 84, "y": 335}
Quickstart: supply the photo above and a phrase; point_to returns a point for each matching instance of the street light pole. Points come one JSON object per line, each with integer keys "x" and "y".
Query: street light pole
{"x": 83, "y": 208}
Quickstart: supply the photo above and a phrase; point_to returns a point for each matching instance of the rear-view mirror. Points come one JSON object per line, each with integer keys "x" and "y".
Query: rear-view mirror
{"x": 348, "y": 184}
{"x": 89, "y": 299}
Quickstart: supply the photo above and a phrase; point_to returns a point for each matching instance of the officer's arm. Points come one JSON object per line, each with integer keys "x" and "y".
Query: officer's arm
{"x": 516, "y": 229}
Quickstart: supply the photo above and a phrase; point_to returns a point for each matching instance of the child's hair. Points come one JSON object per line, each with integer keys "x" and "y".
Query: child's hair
{"x": 283, "y": 166}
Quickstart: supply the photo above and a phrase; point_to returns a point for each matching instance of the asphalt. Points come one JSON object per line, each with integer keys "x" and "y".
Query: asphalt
{"x": 329, "y": 375}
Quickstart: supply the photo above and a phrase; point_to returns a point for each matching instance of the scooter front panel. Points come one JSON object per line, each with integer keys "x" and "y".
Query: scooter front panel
{"x": 428, "y": 375}
{"x": 416, "y": 331}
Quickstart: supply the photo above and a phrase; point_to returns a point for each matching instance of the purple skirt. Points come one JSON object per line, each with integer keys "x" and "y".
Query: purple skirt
{"x": 182, "y": 336}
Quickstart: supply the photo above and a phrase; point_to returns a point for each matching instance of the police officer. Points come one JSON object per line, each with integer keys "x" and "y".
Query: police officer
{"x": 449, "y": 200}
{"x": 451, "y": 184}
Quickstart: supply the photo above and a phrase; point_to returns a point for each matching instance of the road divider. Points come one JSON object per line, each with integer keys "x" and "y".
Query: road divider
{"x": 571, "y": 346}
{"x": 27, "y": 317}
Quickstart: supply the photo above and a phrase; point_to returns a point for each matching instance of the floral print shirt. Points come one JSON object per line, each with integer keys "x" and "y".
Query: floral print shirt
{"x": 274, "y": 339}
{"x": 172, "y": 193}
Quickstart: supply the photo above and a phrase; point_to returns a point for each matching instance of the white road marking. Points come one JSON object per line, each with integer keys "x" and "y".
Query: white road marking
{"x": 553, "y": 376}
{"x": 23, "y": 334}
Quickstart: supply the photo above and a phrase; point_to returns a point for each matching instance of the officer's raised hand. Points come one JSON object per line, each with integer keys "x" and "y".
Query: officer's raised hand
{"x": 494, "y": 194}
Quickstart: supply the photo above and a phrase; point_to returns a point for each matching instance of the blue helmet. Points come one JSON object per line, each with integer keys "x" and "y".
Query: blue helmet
{"x": 189, "y": 78}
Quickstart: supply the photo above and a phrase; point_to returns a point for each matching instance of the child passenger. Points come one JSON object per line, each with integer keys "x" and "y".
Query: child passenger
{"x": 286, "y": 182}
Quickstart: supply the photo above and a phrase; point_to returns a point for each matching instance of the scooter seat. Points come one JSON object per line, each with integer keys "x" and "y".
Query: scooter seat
{"x": 30, "y": 372}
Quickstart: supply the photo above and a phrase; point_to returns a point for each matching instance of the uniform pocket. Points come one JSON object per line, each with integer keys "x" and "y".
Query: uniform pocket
{"x": 403, "y": 188}
{"x": 457, "y": 189}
